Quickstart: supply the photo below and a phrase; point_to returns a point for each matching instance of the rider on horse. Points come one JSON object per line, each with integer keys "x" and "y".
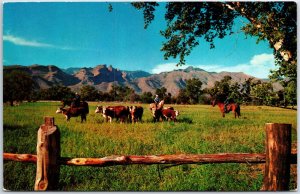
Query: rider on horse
{"x": 156, "y": 100}
{"x": 228, "y": 100}
{"x": 76, "y": 101}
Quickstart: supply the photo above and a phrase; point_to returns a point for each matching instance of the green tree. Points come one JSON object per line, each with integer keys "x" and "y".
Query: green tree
{"x": 89, "y": 93}
{"x": 168, "y": 98}
{"x": 190, "y": 22}
{"x": 246, "y": 89}
{"x": 161, "y": 92}
{"x": 121, "y": 93}
{"x": 235, "y": 92}
{"x": 221, "y": 88}
{"x": 17, "y": 86}
{"x": 146, "y": 97}
{"x": 226, "y": 88}
{"x": 290, "y": 93}
{"x": 104, "y": 96}
{"x": 134, "y": 97}
{"x": 57, "y": 92}
{"x": 263, "y": 93}
{"x": 182, "y": 97}
{"x": 193, "y": 90}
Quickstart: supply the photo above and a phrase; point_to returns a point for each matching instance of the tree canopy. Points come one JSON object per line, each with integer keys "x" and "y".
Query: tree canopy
{"x": 17, "y": 86}
{"x": 187, "y": 22}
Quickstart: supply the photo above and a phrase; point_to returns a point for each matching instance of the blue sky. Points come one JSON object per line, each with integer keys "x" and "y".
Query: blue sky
{"x": 86, "y": 34}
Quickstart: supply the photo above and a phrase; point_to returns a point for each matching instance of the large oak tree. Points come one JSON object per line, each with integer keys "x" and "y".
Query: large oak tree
{"x": 189, "y": 22}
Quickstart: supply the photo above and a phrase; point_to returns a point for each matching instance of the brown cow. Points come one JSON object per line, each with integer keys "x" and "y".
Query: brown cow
{"x": 110, "y": 112}
{"x": 75, "y": 111}
{"x": 136, "y": 113}
{"x": 170, "y": 114}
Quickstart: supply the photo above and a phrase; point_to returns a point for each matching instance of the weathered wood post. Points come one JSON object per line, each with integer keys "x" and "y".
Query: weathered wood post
{"x": 278, "y": 152}
{"x": 48, "y": 154}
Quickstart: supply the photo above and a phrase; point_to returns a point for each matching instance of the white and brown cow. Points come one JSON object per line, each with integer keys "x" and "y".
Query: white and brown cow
{"x": 110, "y": 112}
{"x": 136, "y": 113}
{"x": 170, "y": 114}
{"x": 82, "y": 111}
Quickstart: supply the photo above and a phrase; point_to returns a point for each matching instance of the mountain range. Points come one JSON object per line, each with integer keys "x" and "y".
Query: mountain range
{"x": 102, "y": 77}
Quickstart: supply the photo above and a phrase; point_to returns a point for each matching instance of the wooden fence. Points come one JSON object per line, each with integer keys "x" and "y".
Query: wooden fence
{"x": 277, "y": 158}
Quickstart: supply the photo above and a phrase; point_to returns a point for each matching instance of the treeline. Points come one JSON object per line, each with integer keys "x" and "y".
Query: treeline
{"x": 19, "y": 86}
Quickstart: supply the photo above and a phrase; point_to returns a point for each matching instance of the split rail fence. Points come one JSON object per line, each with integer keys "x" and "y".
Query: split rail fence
{"x": 277, "y": 159}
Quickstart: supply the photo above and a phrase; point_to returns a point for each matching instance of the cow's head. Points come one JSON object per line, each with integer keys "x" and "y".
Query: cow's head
{"x": 59, "y": 110}
{"x": 132, "y": 109}
{"x": 176, "y": 112}
{"x": 99, "y": 109}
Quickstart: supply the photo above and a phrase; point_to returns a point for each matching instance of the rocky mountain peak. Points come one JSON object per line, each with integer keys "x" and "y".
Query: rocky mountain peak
{"x": 102, "y": 77}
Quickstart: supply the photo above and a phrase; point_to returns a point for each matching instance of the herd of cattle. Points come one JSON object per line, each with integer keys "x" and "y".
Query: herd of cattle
{"x": 123, "y": 113}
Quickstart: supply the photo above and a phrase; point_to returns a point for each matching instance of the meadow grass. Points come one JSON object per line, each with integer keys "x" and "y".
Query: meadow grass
{"x": 200, "y": 130}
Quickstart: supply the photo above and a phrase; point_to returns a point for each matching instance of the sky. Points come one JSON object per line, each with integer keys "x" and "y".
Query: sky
{"x": 74, "y": 34}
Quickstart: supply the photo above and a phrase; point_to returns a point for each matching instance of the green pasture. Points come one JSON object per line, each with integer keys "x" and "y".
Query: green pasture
{"x": 200, "y": 130}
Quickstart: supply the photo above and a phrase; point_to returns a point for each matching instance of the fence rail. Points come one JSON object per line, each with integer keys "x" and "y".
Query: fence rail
{"x": 277, "y": 158}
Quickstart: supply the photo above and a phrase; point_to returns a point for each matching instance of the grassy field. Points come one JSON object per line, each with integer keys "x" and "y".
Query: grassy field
{"x": 200, "y": 129}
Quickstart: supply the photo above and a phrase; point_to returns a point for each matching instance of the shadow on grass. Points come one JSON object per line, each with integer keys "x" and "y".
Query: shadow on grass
{"x": 185, "y": 120}
{"x": 7, "y": 127}
{"x": 180, "y": 120}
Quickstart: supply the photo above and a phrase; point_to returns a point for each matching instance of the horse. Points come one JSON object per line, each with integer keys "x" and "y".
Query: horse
{"x": 234, "y": 107}
{"x": 156, "y": 110}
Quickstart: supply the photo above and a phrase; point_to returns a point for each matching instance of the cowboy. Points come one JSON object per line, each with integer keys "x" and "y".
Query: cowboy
{"x": 76, "y": 101}
{"x": 156, "y": 100}
{"x": 226, "y": 103}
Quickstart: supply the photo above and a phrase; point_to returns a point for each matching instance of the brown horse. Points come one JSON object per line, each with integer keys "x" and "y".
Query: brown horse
{"x": 234, "y": 107}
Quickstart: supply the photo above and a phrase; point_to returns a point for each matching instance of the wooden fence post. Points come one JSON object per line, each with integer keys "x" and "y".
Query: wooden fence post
{"x": 48, "y": 154}
{"x": 278, "y": 152}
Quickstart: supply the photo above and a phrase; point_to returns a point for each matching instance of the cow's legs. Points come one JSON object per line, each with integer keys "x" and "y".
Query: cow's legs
{"x": 110, "y": 119}
{"x": 83, "y": 118}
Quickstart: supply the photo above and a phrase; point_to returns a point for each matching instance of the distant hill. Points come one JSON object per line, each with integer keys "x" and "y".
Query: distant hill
{"x": 175, "y": 80}
{"x": 103, "y": 77}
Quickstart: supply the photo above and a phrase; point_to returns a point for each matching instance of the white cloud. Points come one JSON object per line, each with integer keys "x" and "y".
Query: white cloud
{"x": 32, "y": 43}
{"x": 262, "y": 60}
{"x": 259, "y": 66}
{"x": 165, "y": 68}
{"x": 23, "y": 42}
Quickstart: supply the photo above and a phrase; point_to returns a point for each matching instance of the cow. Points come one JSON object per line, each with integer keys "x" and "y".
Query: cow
{"x": 170, "y": 114}
{"x": 136, "y": 113}
{"x": 82, "y": 111}
{"x": 110, "y": 112}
